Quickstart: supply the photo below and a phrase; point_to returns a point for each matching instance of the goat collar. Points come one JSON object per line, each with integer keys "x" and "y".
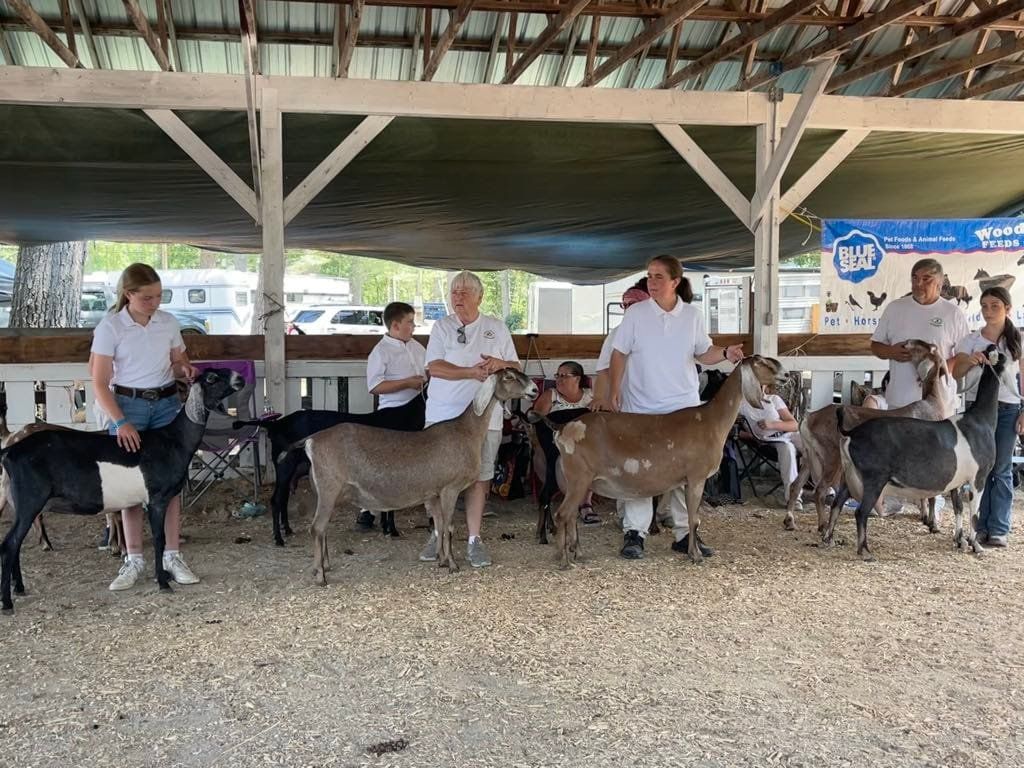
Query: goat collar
{"x": 485, "y": 394}
{"x": 195, "y": 409}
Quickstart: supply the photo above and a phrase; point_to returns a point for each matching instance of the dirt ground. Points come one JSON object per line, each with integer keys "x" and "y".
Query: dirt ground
{"x": 772, "y": 653}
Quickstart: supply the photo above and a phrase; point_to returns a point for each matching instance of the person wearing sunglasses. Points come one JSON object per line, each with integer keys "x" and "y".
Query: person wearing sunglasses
{"x": 464, "y": 349}
{"x": 653, "y": 370}
{"x": 569, "y": 394}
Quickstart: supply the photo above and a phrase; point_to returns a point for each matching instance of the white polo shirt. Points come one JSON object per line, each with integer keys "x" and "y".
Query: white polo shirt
{"x": 940, "y": 323}
{"x": 661, "y": 373}
{"x": 142, "y": 353}
{"x": 975, "y": 342}
{"x": 484, "y": 336}
{"x": 770, "y": 410}
{"x": 393, "y": 359}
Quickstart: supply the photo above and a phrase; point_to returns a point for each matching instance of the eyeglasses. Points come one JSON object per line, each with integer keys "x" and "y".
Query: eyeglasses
{"x": 461, "y": 335}
{"x": 566, "y": 375}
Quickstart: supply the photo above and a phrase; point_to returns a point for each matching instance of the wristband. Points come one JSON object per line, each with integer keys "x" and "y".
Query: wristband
{"x": 120, "y": 423}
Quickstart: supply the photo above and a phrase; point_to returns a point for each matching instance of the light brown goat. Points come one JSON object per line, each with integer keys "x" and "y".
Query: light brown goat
{"x": 821, "y": 461}
{"x": 633, "y": 455}
{"x": 356, "y": 466}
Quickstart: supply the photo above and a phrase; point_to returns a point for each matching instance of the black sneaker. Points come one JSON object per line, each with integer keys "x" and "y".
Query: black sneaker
{"x": 683, "y": 545}
{"x": 633, "y": 546}
{"x": 364, "y": 521}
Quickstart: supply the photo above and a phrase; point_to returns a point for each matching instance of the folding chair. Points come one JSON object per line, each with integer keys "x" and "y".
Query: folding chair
{"x": 220, "y": 452}
{"x": 754, "y": 454}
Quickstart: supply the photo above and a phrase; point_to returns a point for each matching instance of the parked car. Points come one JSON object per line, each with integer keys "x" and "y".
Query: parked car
{"x": 337, "y": 318}
{"x": 95, "y": 307}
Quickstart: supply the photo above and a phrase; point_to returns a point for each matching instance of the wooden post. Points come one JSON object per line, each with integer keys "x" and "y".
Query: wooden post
{"x": 272, "y": 262}
{"x": 766, "y": 244}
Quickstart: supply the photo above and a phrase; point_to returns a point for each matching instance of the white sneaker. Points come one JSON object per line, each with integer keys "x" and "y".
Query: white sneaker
{"x": 429, "y": 553}
{"x": 180, "y": 571}
{"x": 128, "y": 575}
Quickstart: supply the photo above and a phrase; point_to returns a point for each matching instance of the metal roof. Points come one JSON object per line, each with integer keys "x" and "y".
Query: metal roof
{"x": 295, "y": 39}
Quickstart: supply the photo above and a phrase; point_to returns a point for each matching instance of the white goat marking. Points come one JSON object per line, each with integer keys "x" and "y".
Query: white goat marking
{"x": 122, "y": 486}
{"x": 698, "y": 416}
{"x": 632, "y": 466}
{"x": 670, "y": 445}
{"x": 646, "y": 463}
{"x": 571, "y": 433}
{"x": 615, "y": 472}
{"x": 195, "y": 409}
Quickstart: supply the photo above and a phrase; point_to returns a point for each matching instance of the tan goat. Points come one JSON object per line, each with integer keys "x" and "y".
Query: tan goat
{"x": 356, "y": 466}
{"x": 636, "y": 456}
{"x": 821, "y": 461}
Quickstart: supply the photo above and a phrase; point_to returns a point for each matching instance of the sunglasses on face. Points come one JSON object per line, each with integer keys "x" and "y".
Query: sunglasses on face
{"x": 460, "y": 335}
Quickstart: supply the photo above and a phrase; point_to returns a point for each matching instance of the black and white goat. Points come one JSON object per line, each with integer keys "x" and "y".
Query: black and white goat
{"x": 922, "y": 459}
{"x": 91, "y": 473}
{"x": 290, "y": 466}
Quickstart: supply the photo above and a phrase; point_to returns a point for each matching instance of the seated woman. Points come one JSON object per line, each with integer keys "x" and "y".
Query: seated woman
{"x": 773, "y": 423}
{"x": 876, "y": 400}
{"x": 568, "y": 395}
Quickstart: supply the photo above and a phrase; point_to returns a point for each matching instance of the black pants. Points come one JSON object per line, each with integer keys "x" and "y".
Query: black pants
{"x": 546, "y": 438}
{"x": 407, "y": 418}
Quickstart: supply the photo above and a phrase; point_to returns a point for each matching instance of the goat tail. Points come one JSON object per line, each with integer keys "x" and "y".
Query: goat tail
{"x": 297, "y": 446}
{"x": 839, "y": 422}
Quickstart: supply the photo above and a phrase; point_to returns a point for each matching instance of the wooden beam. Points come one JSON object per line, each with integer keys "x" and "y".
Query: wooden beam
{"x": 206, "y": 159}
{"x": 444, "y": 42}
{"x": 247, "y": 22}
{"x": 567, "y": 53}
{"x": 142, "y": 24}
{"x": 272, "y": 259}
{"x": 906, "y": 39}
{"x": 706, "y": 168}
{"x": 161, "y": 27}
{"x": 332, "y": 165}
{"x": 979, "y": 46}
{"x": 40, "y": 27}
{"x": 554, "y": 28}
{"x": 348, "y": 44}
{"x": 428, "y": 33}
{"x": 785, "y": 149}
{"x": 674, "y": 17}
{"x": 66, "y": 88}
{"x": 837, "y": 40}
{"x": 414, "y": 61}
{"x": 823, "y": 166}
{"x": 69, "y": 26}
{"x": 736, "y": 44}
{"x": 510, "y": 43}
{"x": 989, "y": 86}
{"x": 927, "y": 43}
{"x": 338, "y": 38}
{"x": 751, "y": 53}
{"x": 172, "y": 34}
{"x": 250, "y": 40}
{"x": 5, "y": 49}
{"x": 765, "y": 315}
{"x": 636, "y": 67}
{"x": 595, "y": 35}
{"x": 956, "y": 67}
{"x": 673, "y": 50}
{"x": 500, "y": 23}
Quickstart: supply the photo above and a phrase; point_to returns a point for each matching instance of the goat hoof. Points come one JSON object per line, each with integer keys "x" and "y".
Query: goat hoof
{"x": 788, "y": 524}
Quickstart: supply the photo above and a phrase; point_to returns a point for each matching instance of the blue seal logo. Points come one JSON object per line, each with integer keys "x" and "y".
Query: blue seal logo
{"x": 857, "y": 256}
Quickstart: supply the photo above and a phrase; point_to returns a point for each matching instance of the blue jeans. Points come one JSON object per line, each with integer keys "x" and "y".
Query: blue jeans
{"x": 147, "y": 414}
{"x": 997, "y": 500}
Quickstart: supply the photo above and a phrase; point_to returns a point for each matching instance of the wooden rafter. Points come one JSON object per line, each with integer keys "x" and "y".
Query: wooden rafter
{"x": 738, "y": 43}
{"x": 428, "y": 33}
{"x": 444, "y": 42}
{"x": 926, "y": 44}
{"x": 69, "y": 26}
{"x": 142, "y": 24}
{"x": 995, "y": 84}
{"x": 247, "y": 22}
{"x": 250, "y": 41}
{"x": 172, "y": 34}
{"x": 595, "y": 35}
{"x": 338, "y": 39}
{"x": 837, "y": 40}
{"x": 348, "y": 42}
{"x": 553, "y": 30}
{"x": 673, "y": 50}
{"x": 673, "y": 18}
{"x": 500, "y": 23}
{"x": 161, "y": 27}
{"x": 957, "y": 67}
{"x": 979, "y": 46}
{"x": 40, "y": 27}
{"x": 417, "y": 26}
{"x": 5, "y": 49}
{"x": 570, "y": 48}
{"x": 905, "y": 40}
{"x": 750, "y": 54}
{"x": 90, "y": 41}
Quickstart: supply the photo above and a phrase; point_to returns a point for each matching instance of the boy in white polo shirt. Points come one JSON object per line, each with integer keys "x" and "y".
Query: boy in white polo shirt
{"x": 396, "y": 373}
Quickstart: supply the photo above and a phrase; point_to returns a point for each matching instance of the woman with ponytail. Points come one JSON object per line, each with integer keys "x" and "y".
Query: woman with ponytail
{"x": 994, "y": 515}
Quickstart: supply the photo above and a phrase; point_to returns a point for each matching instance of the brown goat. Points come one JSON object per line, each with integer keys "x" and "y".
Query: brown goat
{"x": 634, "y": 455}
{"x": 821, "y": 460}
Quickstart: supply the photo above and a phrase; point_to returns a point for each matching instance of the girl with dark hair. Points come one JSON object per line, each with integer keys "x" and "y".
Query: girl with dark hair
{"x": 994, "y": 514}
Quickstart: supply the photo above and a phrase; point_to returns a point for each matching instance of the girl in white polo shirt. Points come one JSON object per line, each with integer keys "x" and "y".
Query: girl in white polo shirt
{"x": 137, "y": 352}
{"x": 653, "y": 370}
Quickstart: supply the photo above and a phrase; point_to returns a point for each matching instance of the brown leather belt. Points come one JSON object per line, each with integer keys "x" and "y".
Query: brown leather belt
{"x": 147, "y": 394}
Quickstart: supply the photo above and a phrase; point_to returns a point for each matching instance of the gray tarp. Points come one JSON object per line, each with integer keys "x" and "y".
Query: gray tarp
{"x": 573, "y": 201}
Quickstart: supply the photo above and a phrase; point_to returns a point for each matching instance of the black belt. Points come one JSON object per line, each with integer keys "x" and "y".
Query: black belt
{"x": 170, "y": 390}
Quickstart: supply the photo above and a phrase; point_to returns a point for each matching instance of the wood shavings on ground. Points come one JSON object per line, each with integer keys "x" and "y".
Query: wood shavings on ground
{"x": 774, "y": 652}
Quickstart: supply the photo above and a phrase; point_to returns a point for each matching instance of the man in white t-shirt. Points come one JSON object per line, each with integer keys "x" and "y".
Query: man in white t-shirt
{"x": 464, "y": 349}
{"x": 922, "y": 315}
